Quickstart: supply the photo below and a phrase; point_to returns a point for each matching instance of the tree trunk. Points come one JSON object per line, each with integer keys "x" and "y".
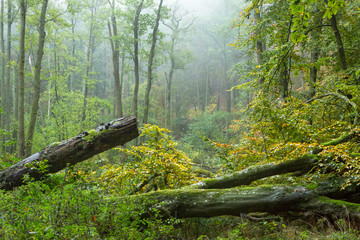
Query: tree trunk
{"x": 89, "y": 60}
{"x": 71, "y": 74}
{"x": 69, "y": 152}
{"x": 303, "y": 164}
{"x": 8, "y": 71}
{"x": 339, "y": 43}
{"x": 226, "y": 80}
{"x": 169, "y": 85}
{"x": 37, "y": 76}
{"x": 15, "y": 110}
{"x": 136, "y": 58}
{"x": 21, "y": 77}
{"x": 273, "y": 199}
{"x": 259, "y": 44}
{"x": 209, "y": 198}
{"x": 115, "y": 49}
{"x": 313, "y": 71}
{"x": 150, "y": 64}
{"x": 284, "y": 81}
{"x": 122, "y": 82}
{"x": 2, "y": 80}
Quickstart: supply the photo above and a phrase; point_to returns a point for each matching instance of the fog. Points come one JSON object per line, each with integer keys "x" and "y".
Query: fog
{"x": 198, "y": 8}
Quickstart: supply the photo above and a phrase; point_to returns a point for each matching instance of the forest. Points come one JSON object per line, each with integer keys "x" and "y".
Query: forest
{"x": 179, "y": 119}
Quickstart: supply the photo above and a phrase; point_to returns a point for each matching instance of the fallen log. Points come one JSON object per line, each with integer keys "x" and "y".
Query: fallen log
{"x": 273, "y": 199}
{"x": 301, "y": 164}
{"x": 69, "y": 152}
{"x": 245, "y": 177}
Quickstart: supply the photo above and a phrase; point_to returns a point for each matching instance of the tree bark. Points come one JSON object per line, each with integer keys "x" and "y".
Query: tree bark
{"x": 69, "y": 152}
{"x": 37, "y": 76}
{"x": 339, "y": 43}
{"x": 259, "y": 43}
{"x": 303, "y": 163}
{"x": 176, "y": 30}
{"x": 136, "y": 58}
{"x": 89, "y": 58}
{"x": 275, "y": 199}
{"x": 313, "y": 71}
{"x": 8, "y": 71}
{"x": 21, "y": 77}
{"x": 150, "y": 64}
{"x": 2, "y": 80}
{"x": 115, "y": 49}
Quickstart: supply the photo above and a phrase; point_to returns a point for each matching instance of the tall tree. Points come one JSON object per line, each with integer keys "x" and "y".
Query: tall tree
{"x": 21, "y": 76}
{"x": 90, "y": 48}
{"x": 150, "y": 63}
{"x": 3, "y": 63}
{"x": 176, "y": 31}
{"x": 339, "y": 42}
{"x": 136, "y": 58}
{"x": 115, "y": 49}
{"x": 315, "y": 54}
{"x": 259, "y": 42}
{"x": 37, "y": 76}
{"x": 8, "y": 67}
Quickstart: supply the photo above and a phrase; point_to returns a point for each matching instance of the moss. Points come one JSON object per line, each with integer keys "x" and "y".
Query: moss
{"x": 201, "y": 171}
{"x": 349, "y": 205}
{"x": 312, "y": 186}
{"x": 339, "y": 140}
{"x": 354, "y": 155}
{"x": 91, "y": 135}
{"x": 55, "y": 144}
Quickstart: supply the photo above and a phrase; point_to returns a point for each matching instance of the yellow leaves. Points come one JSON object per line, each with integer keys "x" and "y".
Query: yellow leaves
{"x": 157, "y": 156}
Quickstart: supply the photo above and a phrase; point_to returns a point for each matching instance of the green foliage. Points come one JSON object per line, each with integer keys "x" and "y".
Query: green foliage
{"x": 42, "y": 211}
{"x": 156, "y": 164}
{"x": 209, "y": 124}
{"x": 40, "y": 166}
{"x": 232, "y": 228}
{"x": 7, "y": 160}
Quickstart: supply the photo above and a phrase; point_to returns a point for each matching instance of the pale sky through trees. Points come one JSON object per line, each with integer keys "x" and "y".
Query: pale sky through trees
{"x": 197, "y": 7}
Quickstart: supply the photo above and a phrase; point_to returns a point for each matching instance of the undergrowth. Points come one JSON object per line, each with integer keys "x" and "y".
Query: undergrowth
{"x": 58, "y": 209}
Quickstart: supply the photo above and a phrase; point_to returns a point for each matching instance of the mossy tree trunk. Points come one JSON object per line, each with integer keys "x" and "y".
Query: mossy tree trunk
{"x": 274, "y": 199}
{"x": 69, "y": 152}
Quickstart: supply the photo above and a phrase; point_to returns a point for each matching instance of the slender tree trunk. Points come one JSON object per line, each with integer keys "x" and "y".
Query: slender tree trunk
{"x": 259, "y": 44}
{"x": 208, "y": 84}
{"x": 122, "y": 82}
{"x": 313, "y": 71}
{"x": 284, "y": 81}
{"x": 37, "y": 76}
{"x": 115, "y": 60}
{"x": 21, "y": 77}
{"x": 2, "y": 81}
{"x": 71, "y": 75}
{"x": 339, "y": 42}
{"x": 8, "y": 70}
{"x": 176, "y": 30}
{"x": 115, "y": 49}
{"x": 315, "y": 53}
{"x": 150, "y": 64}
{"x": 89, "y": 61}
{"x": 228, "y": 93}
{"x": 169, "y": 84}
{"x": 136, "y": 59}
{"x": 198, "y": 89}
{"x": 15, "y": 110}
